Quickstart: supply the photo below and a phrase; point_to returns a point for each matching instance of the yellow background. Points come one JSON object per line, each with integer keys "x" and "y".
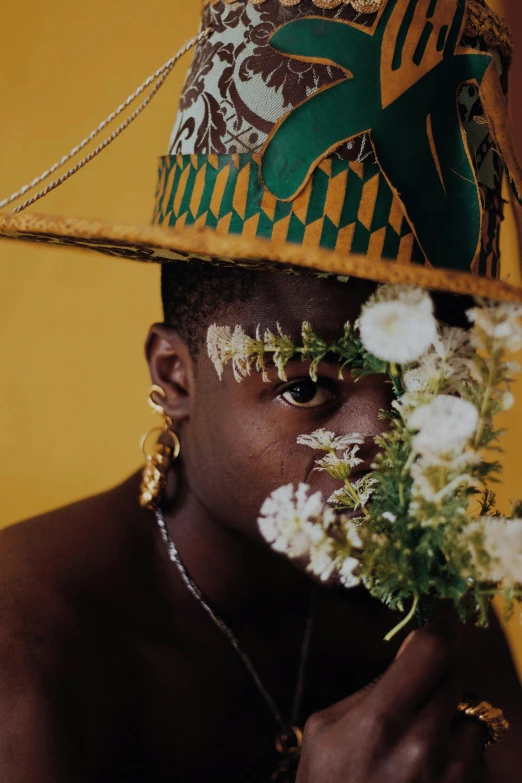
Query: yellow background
{"x": 73, "y": 381}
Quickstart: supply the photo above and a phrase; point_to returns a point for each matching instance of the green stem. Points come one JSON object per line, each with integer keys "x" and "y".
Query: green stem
{"x": 425, "y": 611}
{"x": 443, "y": 477}
{"x": 499, "y": 591}
{"x": 485, "y": 400}
{"x": 409, "y": 462}
{"x": 395, "y": 379}
{"x": 355, "y": 497}
{"x": 405, "y": 621}
{"x": 404, "y": 472}
{"x": 421, "y": 619}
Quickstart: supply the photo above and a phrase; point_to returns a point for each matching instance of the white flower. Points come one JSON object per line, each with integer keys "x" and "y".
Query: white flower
{"x": 327, "y": 555}
{"x": 409, "y": 402}
{"x": 324, "y": 440}
{"x": 446, "y": 424}
{"x": 449, "y": 461}
{"x": 452, "y": 341}
{"x": 282, "y": 348}
{"x": 426, "y": 489}
{"x": 341, "y": 498}
{"x": 348, "y": 578}
{"x": 389, "y": 516}
{"x": 503, "y": 544}
{"x": 500, "y": 322}
{"x": 340, "y": 468}
{"x": 507, "y": 401}
{"x": 397, "y": 324}
{"x": 285, "y": 518}
{"x": 223, "y": 346}
{"x": 352, "y": 532}
{"x": 452, "y": 351}
{"x": 420, "y": 378}
{"x": 363, "y": 490}
{"x": 323, "y": 558}
{"x": 218, "y": 337}
{"x": 351, "y": 458}
{"x": 444, "y": 367}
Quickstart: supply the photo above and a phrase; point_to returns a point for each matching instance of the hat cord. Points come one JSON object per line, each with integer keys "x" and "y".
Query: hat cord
{"x": 157, "y": 79}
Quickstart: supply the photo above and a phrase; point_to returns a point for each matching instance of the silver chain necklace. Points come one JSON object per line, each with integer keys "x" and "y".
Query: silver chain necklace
{"x": 288, "y": 741}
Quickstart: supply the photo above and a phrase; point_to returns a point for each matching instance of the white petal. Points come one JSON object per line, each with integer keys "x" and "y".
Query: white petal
{"x": 348, "y": 578}
{"x": 398, "y": 329}
{"x": 445, "y": 424}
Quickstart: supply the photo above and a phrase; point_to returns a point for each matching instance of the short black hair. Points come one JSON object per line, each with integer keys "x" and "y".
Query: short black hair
{"x": 194, "y": 293}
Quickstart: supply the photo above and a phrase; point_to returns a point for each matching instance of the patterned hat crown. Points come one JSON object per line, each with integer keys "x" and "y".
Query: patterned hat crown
{"x": 346, "y": 137}
{"x": 362, "y": 126}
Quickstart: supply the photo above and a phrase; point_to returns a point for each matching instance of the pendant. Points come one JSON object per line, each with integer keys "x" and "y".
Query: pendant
{"x": 288, "y": 745}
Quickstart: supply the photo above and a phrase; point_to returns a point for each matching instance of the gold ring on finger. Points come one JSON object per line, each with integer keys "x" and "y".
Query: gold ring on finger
{"x": 491, "y": 717}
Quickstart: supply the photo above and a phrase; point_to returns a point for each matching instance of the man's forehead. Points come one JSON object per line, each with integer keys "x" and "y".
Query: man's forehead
{"x": 291, "y": 299}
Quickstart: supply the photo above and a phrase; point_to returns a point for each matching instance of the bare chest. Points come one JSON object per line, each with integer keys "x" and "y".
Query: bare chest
{"x": 195, "y": 713}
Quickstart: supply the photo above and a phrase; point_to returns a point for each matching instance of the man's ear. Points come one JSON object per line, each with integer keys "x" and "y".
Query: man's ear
{"x": 172, "y": 368}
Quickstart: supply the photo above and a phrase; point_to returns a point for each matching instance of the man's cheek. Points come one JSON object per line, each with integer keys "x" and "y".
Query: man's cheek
{"x": 255, "y": 468}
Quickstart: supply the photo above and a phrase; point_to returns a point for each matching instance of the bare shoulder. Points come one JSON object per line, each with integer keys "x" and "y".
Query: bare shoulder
{"x": 63, "y": 562}
{"x": 97, "y": 532}
{"x": 64, "y": 576}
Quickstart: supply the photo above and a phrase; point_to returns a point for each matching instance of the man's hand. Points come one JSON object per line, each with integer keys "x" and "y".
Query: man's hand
{"x": 405, "y": 729}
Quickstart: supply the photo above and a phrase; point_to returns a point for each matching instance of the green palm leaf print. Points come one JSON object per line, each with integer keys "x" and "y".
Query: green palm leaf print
{"x": 400, "y": 85}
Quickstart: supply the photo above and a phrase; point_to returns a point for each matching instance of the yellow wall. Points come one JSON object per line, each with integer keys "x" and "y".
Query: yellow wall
{"x": 73, "y": 382}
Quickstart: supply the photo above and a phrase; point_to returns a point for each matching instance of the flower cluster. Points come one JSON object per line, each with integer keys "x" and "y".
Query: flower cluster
{"x": 419, "y": 524}
{"x": 302, "y": 525}
{"x": 397, "y": 324}
{"x": 354, "y": 495}
{"x": 244, "y": 353}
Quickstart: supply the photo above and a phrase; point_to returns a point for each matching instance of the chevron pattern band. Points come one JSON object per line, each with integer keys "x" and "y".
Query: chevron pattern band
{"x": 347, "y": 206}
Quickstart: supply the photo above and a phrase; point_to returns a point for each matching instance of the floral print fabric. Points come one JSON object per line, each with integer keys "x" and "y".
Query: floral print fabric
{"x": 238, "y": 87}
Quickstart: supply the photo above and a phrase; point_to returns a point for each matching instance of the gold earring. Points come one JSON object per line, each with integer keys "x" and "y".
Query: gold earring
{"x": 158, "y": 461}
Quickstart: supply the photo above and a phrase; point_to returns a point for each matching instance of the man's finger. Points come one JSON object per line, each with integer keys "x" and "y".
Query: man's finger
{"x": 427, "y": 736}
{"x": 413, "y": 675}
{"x": 466, "y": 761}
{"x": 338, "y": 710}
{"x": 437, "y": 715}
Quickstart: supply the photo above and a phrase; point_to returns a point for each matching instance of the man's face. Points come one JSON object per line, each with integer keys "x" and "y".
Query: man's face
{"x": 239, "y": 441}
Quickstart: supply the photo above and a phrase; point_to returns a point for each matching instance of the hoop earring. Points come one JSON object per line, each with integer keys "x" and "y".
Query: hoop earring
{"x": 158, "y": 461}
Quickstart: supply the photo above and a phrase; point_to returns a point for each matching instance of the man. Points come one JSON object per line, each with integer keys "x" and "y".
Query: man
{"x": 118, "y": 662}
{"x": 112, "y": 671}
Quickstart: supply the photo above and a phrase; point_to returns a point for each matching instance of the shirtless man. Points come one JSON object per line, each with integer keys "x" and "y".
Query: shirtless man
{"x": 112, "y": 671}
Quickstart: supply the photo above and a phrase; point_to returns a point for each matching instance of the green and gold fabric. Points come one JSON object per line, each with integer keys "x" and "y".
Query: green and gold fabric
{"x": 373, "y": 130}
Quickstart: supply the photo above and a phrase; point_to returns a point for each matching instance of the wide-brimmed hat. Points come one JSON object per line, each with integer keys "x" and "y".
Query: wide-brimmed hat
{"x": 348, "y": 137}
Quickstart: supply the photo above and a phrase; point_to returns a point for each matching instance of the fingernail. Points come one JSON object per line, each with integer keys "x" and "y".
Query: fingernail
{"x": 405, "y": 643}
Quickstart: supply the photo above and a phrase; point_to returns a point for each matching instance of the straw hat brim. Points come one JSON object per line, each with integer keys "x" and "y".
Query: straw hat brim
{"x": 156, "y": 244}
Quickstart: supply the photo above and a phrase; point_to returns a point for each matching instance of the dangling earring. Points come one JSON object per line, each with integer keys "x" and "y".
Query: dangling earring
{"x": 158, "y": 462}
